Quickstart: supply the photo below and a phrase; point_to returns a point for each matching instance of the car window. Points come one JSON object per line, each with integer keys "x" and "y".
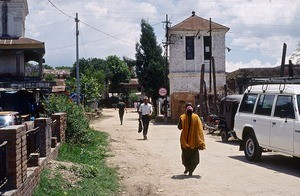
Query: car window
{"x": 264, "y": 105}
{"x": 2, "y": 121}
{"x": 284, "y": 107}
{"x": 298, "y": 102}
{"x": 248, "y": 102}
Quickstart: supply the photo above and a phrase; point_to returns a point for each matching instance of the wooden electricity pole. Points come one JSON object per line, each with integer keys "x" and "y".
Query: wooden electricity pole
{"x": 77, "y": 63}
{"x": 283, "y": 59}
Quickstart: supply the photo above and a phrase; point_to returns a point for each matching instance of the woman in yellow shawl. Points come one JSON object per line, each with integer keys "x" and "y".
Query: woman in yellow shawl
{"x": 191, "y": 139}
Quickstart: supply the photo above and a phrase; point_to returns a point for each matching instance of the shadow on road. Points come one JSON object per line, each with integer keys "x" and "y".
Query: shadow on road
{"x": 230, "y": 142}
{"x": 182, "y": 176}
{"x": 279, "y": 163}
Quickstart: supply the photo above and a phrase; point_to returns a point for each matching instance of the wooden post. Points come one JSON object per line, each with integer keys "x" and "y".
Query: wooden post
{"x": 215, "y": 86}
{"x": 283, "y": 59}
{"x": 201, "y": 90}
{"x": 291, "y": 69}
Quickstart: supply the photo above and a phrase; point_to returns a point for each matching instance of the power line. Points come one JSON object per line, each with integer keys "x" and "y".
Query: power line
{"x": 60, "y": 9}
{"x": 82, "y": 42}
{"x": 112, "y": 36}
{"x": 49, "y": 24}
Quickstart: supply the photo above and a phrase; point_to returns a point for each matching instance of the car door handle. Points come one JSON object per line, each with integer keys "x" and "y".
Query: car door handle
{"x": 297, "y": 131}
{"x": 273, "y": 123}
{"x": 254, "y": 120}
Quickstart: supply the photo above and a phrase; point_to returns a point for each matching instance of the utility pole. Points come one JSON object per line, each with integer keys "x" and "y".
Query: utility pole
{"x": 77, "y": 63}
{"x": 210, "y": 54}
{"x": 283, "y": 60}
{"x": 166, "y": 44}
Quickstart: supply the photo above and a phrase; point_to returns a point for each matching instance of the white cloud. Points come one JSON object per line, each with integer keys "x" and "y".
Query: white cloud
{"x": 255, "y": 25}
{"x": 97, "y": 10}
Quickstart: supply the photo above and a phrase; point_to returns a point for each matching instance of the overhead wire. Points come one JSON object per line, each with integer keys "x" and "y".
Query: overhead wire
{"x": 59, "y": 9}
{"x": 82, "y": 42}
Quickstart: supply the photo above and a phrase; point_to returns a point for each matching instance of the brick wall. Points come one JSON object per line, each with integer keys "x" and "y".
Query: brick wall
{"x": 17, "y": 154}
{"x": 27, "y": 178}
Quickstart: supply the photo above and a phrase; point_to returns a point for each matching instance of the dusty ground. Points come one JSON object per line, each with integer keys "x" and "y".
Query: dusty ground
{"x": 153, "y": 166}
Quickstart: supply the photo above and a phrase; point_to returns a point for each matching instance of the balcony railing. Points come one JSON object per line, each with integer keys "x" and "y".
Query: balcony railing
{"x": 33, "y": 141}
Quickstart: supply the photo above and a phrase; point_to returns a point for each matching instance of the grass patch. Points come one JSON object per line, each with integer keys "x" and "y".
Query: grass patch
{"x": 95, "y": 178}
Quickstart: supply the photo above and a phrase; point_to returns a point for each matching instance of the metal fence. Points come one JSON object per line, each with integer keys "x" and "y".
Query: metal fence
{"x": 33, "y": 141}
{"x": 3, "y": 164}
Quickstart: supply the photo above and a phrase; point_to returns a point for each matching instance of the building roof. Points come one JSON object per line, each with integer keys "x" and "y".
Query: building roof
{"x": 20, "y": 43}
{"x": 31, "y": 47}
{"x": 196, "y": 23}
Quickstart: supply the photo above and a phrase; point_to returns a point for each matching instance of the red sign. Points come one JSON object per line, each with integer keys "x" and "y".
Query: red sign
{"x": 162, "y": 91}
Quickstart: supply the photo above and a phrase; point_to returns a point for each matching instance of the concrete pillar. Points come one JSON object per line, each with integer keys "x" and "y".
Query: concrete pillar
{"x": 40, "y": 66}
{"x": 18, "y": 63}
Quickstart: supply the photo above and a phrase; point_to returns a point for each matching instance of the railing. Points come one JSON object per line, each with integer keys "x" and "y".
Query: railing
{"x": 53, "y": 128}
{"x": 33, "y": 141}
{"x": 3, "y": 166}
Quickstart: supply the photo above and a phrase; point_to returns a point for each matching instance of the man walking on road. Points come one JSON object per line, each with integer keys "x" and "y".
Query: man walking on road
{"x": 191, "y": 139}
{"x": 145, "y": 111}
{"x": 122, "y": 107}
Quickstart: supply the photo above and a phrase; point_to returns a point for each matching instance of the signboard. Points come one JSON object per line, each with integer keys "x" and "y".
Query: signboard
{"x": 162, "y": 92}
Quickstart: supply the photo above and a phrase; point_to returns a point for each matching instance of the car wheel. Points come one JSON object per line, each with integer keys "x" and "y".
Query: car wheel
{"x": 224, "y": 136}
{"x": 252, "y": 150}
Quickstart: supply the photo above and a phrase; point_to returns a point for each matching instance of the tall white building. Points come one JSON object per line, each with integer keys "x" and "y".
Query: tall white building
{"x": 189, "y": 49}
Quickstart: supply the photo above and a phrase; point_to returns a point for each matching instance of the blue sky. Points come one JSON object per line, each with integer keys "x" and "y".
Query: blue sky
{"x": 258, "y": 28}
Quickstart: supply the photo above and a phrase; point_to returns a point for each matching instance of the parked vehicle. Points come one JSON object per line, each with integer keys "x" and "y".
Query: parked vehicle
{"x": 8, "y": 118}
{"x": 268, "y": 119}
{"x": 212, "y": 123}
{"x": 228, "y": 108}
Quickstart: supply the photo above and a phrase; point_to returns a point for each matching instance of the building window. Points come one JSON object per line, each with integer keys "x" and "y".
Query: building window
{"x": 189, "y": 41}
{"x": 207, "y": 49}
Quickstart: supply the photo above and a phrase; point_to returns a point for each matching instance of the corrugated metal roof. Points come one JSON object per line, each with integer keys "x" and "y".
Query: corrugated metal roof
{"x": 195, "y": 23}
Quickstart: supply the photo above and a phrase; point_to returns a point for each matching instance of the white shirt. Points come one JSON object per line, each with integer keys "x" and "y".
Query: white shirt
{"x": 146, "y": 109}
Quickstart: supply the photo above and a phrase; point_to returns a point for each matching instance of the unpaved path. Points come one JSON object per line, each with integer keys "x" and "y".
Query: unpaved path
{"x": 153, "y": 166}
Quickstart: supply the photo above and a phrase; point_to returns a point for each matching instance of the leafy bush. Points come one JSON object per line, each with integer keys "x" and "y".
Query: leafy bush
{"x": 50, "y": 77}
{"x": 86, "y": 171}
{"x": 133, "y": 97}
{"x": 78, "y": 130}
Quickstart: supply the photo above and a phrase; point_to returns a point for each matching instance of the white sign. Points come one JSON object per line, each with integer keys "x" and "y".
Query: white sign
{"x": 162, "y": 91}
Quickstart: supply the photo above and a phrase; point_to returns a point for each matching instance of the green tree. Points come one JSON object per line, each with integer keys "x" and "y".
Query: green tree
{"x": 296, "y": 55}
{"x": 47, "y": 66}
{"x": 131, "y": 63}
{"x": 90, "y": 88}
{"x": 32, "y": 70}
{"x": 117, "y": 71}
{"x": 63, "y": 67}
{"x": 150, "y": 68}
{"x": 50, "y": 77}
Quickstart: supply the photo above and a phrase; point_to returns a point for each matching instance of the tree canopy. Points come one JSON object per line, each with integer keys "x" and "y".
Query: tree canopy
{"x": 118, "y": 71}
{"x": 296, "y": 55}
{"x": 150, "y": 64}
{"x": 96, "y": 74}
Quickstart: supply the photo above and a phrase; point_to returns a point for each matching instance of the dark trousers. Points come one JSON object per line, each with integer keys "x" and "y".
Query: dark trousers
{"x": 121, "y": 115}
{"x": 145, "y": 120}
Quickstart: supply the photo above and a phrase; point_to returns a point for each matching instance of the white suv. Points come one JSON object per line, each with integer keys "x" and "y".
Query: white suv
{"x": 268, "y": 118}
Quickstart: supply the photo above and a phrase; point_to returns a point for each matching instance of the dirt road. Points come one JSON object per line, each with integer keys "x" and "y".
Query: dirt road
{"x": 153, "y": 166}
